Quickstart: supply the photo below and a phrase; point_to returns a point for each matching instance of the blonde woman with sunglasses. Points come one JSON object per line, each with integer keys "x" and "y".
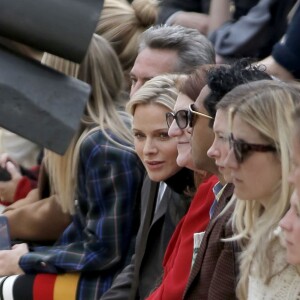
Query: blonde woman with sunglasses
{"x": 259, "y": 161}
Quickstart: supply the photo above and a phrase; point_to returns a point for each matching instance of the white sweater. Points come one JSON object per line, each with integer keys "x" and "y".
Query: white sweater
{"x": 283, "y": 286}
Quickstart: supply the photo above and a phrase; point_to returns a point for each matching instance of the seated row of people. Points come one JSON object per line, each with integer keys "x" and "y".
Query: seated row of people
{"x": 184, "y": 248}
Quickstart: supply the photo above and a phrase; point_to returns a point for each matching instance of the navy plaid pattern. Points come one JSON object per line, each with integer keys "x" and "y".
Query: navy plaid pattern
{"x": 97, "y": 241}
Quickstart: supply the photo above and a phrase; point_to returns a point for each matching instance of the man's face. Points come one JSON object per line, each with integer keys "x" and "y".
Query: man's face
{"x": 150, "y": 63}
{"x": 202, "y": 137}
{"x": 220, "y": 147}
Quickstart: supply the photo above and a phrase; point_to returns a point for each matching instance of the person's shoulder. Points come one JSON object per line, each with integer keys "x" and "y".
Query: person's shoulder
{"x": 96, "y": 141}
{"x": 94, "y": 136}
{"x": 99, "y": 138}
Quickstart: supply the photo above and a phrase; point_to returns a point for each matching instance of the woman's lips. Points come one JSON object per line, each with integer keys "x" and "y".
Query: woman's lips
{"x": 236, "y": 180}
{"x": 220, "y": 167}
{"x": 183, "y": 143}
{"x": 153, "y": 165}
{"x": 287, "y": 243}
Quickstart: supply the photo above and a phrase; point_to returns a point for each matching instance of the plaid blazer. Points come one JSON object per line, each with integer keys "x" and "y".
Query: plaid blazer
{"x": 99, "y": 240}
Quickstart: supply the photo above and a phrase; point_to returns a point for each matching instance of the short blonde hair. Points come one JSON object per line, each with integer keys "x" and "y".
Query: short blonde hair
{"x": 161, "y": 90}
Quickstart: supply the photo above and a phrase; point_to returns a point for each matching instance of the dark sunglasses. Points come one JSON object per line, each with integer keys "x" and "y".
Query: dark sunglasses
{"x": 184, "y": 117}
{"x": 181, "y": 117}
{"x": 241, "y": 149}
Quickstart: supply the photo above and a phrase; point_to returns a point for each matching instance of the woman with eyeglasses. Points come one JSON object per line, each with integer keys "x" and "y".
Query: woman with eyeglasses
{"x": 180, "y": 121}
{"x": 186, "y": 239}
{"x": 259, "y": 161}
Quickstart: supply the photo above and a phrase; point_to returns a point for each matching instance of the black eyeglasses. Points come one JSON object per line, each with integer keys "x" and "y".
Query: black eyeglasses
{"x": 184, "y": 117}
{"x": 181, "y": 117}
{"x": 241, "y": 149}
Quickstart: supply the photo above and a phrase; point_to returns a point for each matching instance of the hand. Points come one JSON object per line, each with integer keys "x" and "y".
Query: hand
{"x": 8, "y": 188}
{"x": 5, "y": 158}
{"x": 194, "y": 20}
{"x": 9, "y": 260}
{"x": 220, "y": 59}
{"x": 275, "y": 69}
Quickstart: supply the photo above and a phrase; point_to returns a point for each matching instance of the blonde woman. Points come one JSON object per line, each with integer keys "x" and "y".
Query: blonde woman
{"x": 259, "y": 161}
{"x": 97, "y": 181}
{"x": 290, "y": 226}
{"x": 290, "y": 223}
{"x": 165, "y": 198}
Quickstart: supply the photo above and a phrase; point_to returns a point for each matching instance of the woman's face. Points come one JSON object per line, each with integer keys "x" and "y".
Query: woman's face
{"x": 183, "y": 136}
{"x": 295, "y": 173}
{"x": 290, "y": 224}
{"x": 155, "y": 148}
{"x": 257, "y": 176}
{"x": 220, "y": 146}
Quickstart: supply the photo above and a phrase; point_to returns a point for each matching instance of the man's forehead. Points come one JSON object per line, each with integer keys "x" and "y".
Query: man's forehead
{"x": 203, "y": 94}
{"x": 156, "y": 61}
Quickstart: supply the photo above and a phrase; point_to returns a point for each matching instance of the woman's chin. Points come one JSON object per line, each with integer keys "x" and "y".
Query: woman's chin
{"x": 183, "y": 162}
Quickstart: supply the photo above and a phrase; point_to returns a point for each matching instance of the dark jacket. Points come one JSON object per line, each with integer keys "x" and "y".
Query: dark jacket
{"x": 214, "y": 272}
{"x": 287, "y": 53}
{"x": 256, "y": 26}
{"x": 169, "y": 7}
{"x": 144, "y": 272}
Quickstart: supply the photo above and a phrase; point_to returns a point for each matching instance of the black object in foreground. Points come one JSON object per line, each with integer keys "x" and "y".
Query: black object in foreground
{"x": 4, "y": 175}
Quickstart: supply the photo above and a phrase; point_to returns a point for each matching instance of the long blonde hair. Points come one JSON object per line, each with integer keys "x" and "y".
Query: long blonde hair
{"x": 102, "y": 70}
{"x": 266, "y": 106}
